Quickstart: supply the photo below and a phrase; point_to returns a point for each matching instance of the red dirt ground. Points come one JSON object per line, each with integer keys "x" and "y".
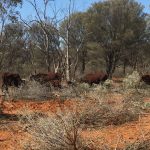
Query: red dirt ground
{"x": 114, "y": 136}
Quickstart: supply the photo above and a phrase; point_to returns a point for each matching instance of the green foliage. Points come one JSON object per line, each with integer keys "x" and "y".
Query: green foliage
{"x": 116, "y": 25}
{"x": 6, "y": 6}
{"x": 13, "y": 49}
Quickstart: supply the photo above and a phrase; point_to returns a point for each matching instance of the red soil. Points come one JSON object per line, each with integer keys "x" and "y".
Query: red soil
{"x": 114, "y": 136}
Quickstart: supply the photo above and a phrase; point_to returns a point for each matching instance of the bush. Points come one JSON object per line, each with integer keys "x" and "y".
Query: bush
{"x": 32, "y": 90}
{"x": 75, "y": 91}
{"x": 94, "y": 117}
{"x": 57, "y": 132}
{"x": 132, "y": 81}
{"x": 139, "y": 145}
{"x": 63, "y": 129}
{"x": 60, "y": 131}
{"x": 103, "y": 114}
{"x": 108, "y": 83}
{"x": 83, "y": 88}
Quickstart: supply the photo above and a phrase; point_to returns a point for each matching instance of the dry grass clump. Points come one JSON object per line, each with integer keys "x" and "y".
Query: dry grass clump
{"x": 139, "y": 145}
{"x": 75, "y": 90}
{"x": 82, "y": 89}
{"x": 132, "y": 80}
{"x": 32, "y": 90}
{"x": 132, "y": 107}
{"x": 60, "y": 131}
{"x": 98, "y": 93}
{"x": 98, "y": 113}
{"x": 69, "y": 92}
{"x": 133, "y": 83}
{"x": 108, "y": 83}
{"x": 93, "y": 115}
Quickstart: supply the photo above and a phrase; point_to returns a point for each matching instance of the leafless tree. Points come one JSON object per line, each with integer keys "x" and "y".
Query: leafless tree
{"x": 47, "y": 36}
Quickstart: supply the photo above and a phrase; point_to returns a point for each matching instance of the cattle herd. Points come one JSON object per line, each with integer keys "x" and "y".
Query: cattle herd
{"x": 11, "y": 79}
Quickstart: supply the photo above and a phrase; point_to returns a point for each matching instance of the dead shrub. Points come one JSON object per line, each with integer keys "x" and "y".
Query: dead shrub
{"x": 132, "y": 107}
{"x": 32, "y": 90}
{"x": 92, "y": 113}
{"x": 97, "y": 113}
{"x": 60, "y": 131}
{"x": 57, "y": 132}
{"x": 139, "y": 145}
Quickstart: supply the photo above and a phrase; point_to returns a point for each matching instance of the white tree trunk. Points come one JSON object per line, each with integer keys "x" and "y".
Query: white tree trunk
{"x": 67, "y": 58}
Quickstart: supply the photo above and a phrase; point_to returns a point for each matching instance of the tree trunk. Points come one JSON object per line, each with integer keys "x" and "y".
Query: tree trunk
{"x": 67, "y": 58}
{"x": 83, "y": 62}
{"x": 48, "y": 63}
{"x": 124, "y": 66}
{"x": 110, "y": 64}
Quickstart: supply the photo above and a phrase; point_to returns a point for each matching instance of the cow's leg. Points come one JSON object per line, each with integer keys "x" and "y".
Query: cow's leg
{"x": 3, "y": 87}
{"x": 5, "y": 91}
{"x": 3, "y": 94}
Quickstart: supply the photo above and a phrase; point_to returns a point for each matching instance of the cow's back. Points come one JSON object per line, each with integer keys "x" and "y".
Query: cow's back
{"x": 51, "y": 77}
{"x": 54, "y": 76}
{"x": 95, "y": 78}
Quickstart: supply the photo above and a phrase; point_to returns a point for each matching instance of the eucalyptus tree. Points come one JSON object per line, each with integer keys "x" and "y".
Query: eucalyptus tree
{"x": 119, "y": 27}
{"x": 14, "y": 47}
{"x": 7, "y": 15}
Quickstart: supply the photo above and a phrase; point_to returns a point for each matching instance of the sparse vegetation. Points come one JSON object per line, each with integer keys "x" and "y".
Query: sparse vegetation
{"x": 139, "y": 145}
{"x": 32, "y": 90}
{"x": 109, "y": 40}
{"x": 61, "y": 130}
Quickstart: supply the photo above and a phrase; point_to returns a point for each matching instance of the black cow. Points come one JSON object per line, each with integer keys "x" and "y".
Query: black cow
{"x": 11, "y": 79}
{"x": 146, "y": 79}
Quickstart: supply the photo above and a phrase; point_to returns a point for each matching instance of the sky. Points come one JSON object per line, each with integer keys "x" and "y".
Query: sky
{"x": 28, "y": 12}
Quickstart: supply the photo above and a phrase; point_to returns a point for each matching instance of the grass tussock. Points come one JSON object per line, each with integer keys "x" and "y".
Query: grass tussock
{"x": 58, "y": 131}
{"x": 31, "y": 90}
{"x": 139, "y": 145}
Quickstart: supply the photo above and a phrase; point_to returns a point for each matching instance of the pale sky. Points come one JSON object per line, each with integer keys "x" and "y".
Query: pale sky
{"x": 80, "y": 5}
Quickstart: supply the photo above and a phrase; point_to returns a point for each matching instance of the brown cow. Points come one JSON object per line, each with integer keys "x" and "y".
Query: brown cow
{"x": 146, "y": 79}
{"x": 11, "y": 79}
{"x": 95, "y": 78}
{"x": 43, "y": 78}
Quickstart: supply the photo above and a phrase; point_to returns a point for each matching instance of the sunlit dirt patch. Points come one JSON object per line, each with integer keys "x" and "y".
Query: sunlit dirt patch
{"x": 120, "y": 136}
